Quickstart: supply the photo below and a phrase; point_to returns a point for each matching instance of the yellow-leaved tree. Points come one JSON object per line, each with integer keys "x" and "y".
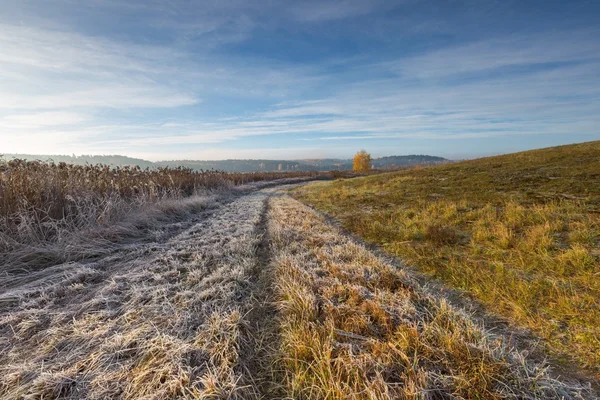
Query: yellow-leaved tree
{"x": 361, "y": 162}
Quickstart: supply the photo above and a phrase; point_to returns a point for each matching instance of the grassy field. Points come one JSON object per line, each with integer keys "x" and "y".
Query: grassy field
{"x": 168, "y": 319}
{"x": 249, "y": 295}
{"x": 520, "y": 232}
{"x": 246, "y": 293}
{"x": 354, "y": 327}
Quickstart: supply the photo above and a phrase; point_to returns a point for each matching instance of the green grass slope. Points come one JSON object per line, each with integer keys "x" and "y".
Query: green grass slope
{"x": 520, "y": 232}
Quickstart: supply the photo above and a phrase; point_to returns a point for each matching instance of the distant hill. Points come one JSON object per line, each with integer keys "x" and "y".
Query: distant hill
{"x": 326, "y": 164}
{"x": 239, "y": 165}
{"x": 323, "y": 164}
{"x": 115, "y": 160}
{"x": 401, "y": 161}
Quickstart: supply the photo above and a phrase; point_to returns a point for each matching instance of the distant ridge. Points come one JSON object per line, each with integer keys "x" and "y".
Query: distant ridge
{"x": 116, "y": 160}
{"x": 326, "y": 164}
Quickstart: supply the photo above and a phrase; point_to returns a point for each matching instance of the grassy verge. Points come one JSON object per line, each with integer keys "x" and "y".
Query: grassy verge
{"x": 520, "y": 232}
{"x": 354, "y": 327}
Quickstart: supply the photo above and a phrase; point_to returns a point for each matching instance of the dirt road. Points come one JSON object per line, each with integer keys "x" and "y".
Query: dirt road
{"x": 150, "y": 319}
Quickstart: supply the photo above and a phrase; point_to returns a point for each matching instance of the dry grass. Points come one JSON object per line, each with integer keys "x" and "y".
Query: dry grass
{"x": 163, "y": 320}
{"x": 353, "y": 327}
{"x": 520, "y": 232}
{"x": 45, "y": 208}
{"x": 56, "y": 189}
{"x": 213, "y": 297}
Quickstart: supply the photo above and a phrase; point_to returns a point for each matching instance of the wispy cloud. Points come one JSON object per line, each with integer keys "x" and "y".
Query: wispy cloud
{"x": 176, "y": 79}
{"x": 508, "y": 51}
{"x": 46, "y": 69}
{"x": 40, "y": 120}
{"x": 332, "y": 10}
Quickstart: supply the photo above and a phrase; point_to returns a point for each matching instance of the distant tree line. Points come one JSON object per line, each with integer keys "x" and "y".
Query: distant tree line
{"x": 326, "y": 164}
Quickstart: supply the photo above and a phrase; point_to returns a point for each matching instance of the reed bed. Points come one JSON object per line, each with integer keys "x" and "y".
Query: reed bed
{"x": 54, "y": 188}
{"x": 45, "y": 205}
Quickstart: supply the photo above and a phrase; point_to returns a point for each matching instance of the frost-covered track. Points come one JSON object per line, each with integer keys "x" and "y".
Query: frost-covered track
{"x": 162, "y": 321}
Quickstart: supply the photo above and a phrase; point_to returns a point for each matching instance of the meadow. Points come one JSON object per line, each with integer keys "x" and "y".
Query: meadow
{"x": 353, "y": 326}
{"x": 172, "y": 284}
{"x": 520, "y": 233}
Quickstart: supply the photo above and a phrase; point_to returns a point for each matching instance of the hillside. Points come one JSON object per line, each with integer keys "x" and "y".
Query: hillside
{"x": 519, "y": 232}
{"x": 237, "y": 165}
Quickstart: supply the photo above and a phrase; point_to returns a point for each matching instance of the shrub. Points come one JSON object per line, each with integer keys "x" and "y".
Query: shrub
{"x": 442, "y": 234}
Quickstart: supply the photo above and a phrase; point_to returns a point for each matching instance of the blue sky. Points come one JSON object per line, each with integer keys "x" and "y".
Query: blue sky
{"x": 184, "y": 79}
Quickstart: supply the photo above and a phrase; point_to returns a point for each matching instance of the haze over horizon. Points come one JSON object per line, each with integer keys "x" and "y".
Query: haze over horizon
{"x": 261, "y": 79}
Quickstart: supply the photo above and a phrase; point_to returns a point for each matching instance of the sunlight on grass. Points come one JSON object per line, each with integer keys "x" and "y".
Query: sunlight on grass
{"x": 520, "y": 232}
{"x": 355, "y": 327}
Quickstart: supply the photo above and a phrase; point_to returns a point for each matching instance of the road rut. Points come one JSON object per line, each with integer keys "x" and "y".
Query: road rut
{"x": 166, "y": 319}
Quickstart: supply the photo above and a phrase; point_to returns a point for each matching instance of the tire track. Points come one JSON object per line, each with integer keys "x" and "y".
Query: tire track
{"x": 191, "y": 317}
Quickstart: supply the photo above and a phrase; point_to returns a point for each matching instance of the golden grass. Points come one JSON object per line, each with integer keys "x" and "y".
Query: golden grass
{"x": 245, "y": 304}
{"x": 520, "y": 232}
{"x": 225, "y": 298}
{"x": 353, "y": 327}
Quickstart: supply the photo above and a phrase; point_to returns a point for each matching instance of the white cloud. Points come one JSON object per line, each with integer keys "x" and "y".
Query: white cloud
{"x": 67, "y": 52}
{"x": 43, "y": 119}
{"x": 57, "y": 87}
{"x": 557, "y": 101}
{"x": 46, "y": 69}
{"x": 509, "y": 51}
{"x": 98, "y": 96}
{"x": 312, "y": 11}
